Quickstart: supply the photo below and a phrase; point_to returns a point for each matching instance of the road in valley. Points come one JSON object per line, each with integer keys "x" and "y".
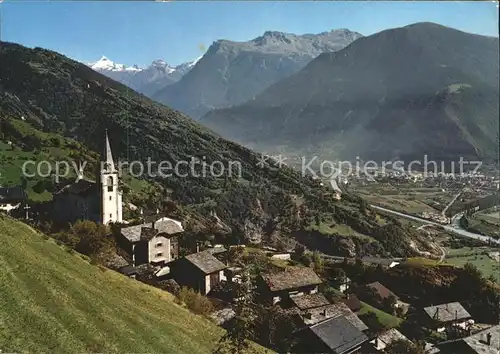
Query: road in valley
{"x": 451, "y": 203}
{"x": 454, "y": 227}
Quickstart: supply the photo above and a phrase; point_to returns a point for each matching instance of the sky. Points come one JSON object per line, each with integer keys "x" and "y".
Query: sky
{"x": 179, "y": 31}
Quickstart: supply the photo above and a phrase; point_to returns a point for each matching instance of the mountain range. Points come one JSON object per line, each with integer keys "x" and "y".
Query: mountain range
{"x": 231, "y": 72}
{"x": 44, "y": 92}
{"x": 147, "y": 80}
{"x": 402, "y": 93}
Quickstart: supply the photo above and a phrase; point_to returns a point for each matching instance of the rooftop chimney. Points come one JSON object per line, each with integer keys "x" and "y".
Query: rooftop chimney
{"x": 488, "y": 339}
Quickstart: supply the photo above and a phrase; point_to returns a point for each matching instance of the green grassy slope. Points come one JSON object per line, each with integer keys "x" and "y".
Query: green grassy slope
{"x": 53, "y": 301}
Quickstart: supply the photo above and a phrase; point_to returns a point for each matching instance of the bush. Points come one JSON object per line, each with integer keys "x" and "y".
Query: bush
{"x": 194, "y": 301}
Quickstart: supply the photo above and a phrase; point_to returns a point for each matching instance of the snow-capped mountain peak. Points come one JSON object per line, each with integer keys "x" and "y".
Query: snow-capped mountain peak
{"x": 146, "y": 80}
{"x": 105, "y": 64}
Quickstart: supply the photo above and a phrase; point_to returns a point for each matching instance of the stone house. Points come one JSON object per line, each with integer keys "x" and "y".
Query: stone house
{"x": 199, "y": 271}
{"x": 334, "y": 335}
{"x": 453, "y": 314}
{"x": 281, "y": 286}
{"x": 154, "y": 243}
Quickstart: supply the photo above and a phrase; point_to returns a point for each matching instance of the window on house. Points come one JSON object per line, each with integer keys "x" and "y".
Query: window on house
{"x": 159, "y": 244}
{"x": 110, "y": 216}
{"x": 159, "y": 254}
{"x": 110, "y": 197}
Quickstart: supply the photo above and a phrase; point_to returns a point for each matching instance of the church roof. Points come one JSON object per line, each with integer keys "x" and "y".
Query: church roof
{"x": 80, "y": 187}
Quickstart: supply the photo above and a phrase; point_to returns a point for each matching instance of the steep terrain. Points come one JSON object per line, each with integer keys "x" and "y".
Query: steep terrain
{"x": 233, "y": 72}
{"x": 147, "y": 80}
{"x": 398, "y": 94}
{"x": 54, "y": 301}
{"x": 251, "y": 200}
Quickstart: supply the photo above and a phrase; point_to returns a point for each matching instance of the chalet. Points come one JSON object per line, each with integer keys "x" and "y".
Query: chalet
{"x": 352, "y": 302}
{"x": 334, "y": 335}
{"x": 293, "y": 281}
{"x": 384, "y": 293}
{"x": 445, "y": 315}
{"x": 381, "y": 341}
{"x": 200, "y": 271}
{"x": 486, "y": 341}
{"x": 11, "y": 198}
{"x": 153, "y": 242}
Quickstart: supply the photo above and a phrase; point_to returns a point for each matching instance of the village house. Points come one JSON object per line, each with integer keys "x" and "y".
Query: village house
{"x": 381, "y": 341}
{"x": 282, "y": 285}
{"x": 153, "y": 242}
{"x": 484, "y": 342}
{"x": 352, "y": 302}
{"x": 448, "y": 315}
{"x": 384, "y": 294}
{"x": 315, "y": 315}
{"x": 200, "y": 271}
{"x": 334, "y": 335}
{"x": 11, "y": 198}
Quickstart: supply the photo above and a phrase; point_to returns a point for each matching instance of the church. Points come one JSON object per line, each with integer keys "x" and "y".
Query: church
{"x": 99, "y": 201}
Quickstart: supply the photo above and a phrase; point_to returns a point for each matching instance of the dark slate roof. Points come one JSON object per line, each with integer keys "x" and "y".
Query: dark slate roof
{"x": 81, "y": 187}
{"x": 319, "y": 314}
{"x": 12, "y": 194}
{"x": 145, "y": 232}
{"x": 381, "y": 290}
{"x": 128, "y": 270}
{"x": 339, "y": 335}
{"x": 390, "y": 336}
{"x": 310, "y": 301}
{"x": 291, "y": 278}
{"x": 205, "y": 262}
{"x": 477, "y": 342}
{"x": 447, "y": 312}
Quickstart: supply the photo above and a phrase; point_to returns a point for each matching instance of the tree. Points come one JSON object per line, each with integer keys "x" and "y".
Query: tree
{"x": 91, "y": 239}
{"x": 373, "y": 323}
{"x": 402, "y": 346}
{"x": 241, "y": 330}
{"x": 389, "y": 303}
{"x": 317, "y": 262}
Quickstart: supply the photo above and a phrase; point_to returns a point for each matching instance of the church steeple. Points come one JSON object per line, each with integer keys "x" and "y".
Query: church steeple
{"x": 111, "y": 195}
{"x": 109, "y": 164}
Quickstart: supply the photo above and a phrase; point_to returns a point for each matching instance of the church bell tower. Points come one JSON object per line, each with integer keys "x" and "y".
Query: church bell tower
{"x": 111, "y": 196}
